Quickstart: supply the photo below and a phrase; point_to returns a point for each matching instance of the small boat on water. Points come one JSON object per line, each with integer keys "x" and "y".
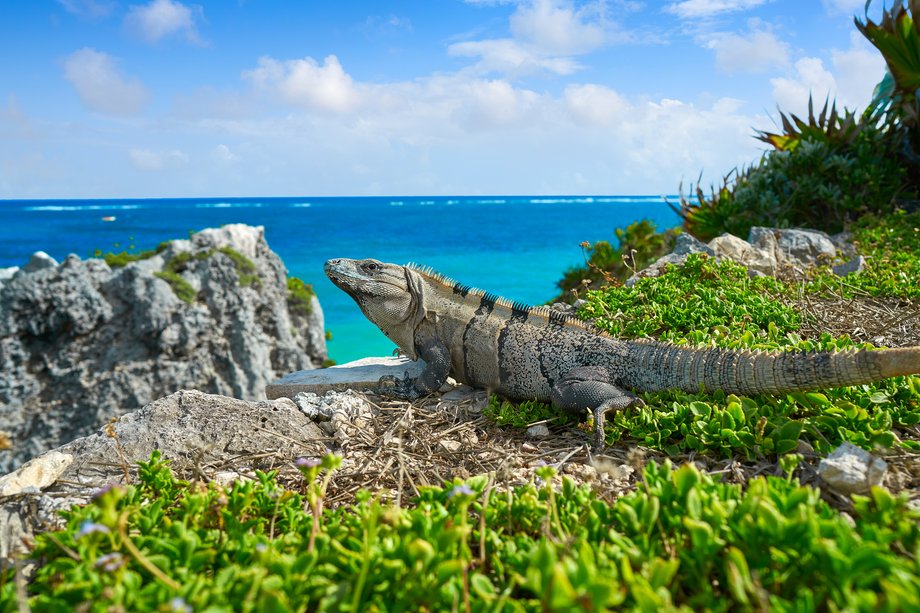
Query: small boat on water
{"x": 108, "y": 218}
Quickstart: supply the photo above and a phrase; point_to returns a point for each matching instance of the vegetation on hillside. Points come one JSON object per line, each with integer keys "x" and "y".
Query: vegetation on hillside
{"x": 680, "y": 541}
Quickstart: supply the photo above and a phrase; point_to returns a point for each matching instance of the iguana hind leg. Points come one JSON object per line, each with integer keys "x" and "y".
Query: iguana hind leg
{"x": 590, "y": 388}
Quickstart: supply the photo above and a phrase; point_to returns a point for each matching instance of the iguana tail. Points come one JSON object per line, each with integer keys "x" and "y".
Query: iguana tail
{"x": 658, "y": 366}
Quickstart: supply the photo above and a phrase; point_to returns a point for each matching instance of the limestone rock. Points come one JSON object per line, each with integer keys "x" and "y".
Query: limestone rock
{"x": 852, "y": 470}
{"x": 196, "y": 431}
{"x": 81, "y": 342}
{"x": 36, "y": 474}
{"x": 796, "y": 246}
{"x": 363, "y": 374}
{"x": 755, "y": 258}
{"x": 684, "y": 246}
{"x": 850, "y": 267}
{"x": 39, "y": 261}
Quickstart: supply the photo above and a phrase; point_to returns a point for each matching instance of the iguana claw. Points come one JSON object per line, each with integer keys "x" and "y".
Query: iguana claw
{"x": 391, "y": 385}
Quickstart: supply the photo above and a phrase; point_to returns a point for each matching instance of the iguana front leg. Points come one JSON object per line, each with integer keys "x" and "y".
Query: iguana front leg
{"x": 589, "y": 388}
{"x": 437, "y": 366}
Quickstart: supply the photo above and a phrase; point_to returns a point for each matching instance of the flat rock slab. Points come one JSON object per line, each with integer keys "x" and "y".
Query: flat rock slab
{"x": 363, "y": 374}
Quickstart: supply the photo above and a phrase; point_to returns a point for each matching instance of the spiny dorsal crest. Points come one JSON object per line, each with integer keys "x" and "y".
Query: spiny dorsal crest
{"x": 512, "y": 307}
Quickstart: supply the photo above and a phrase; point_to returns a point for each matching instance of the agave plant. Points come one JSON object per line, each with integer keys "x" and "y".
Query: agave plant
{"x": 897, "y": 97}
{"x": 828, "y": 127}
{"x": 897, "y": 37}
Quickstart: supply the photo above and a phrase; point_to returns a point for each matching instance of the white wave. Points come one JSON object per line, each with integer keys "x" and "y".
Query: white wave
{"x": 83, "y": 207}
{"x": 301, "y": 205}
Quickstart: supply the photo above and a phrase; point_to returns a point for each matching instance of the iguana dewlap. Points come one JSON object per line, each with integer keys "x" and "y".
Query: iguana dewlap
{"x": 523, "y": 352}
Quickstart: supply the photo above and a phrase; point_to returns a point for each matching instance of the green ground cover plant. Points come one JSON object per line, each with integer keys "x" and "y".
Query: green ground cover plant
{"x": 680, "y": 541}
{"x": 708, "y": 303}
{"x": 891, "y": 244}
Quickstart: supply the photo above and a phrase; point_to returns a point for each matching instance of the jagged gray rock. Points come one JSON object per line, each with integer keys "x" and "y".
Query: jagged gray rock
{"x": 767, "y": 251}
{"x": 199, "y": 433}
{"x": 684, "y": 246}
{"x": 851, "y": 267}
{"x": 81, "y": 342}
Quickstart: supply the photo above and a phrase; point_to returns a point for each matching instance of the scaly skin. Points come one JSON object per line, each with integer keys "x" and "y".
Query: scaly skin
{"x": 523, "y": 352}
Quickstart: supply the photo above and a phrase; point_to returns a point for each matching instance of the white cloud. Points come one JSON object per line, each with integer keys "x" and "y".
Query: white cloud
{"x": 752, "y": 51}
{"x": 153, "y": 161}
{"x": 306, "y": 83}
{"x": 93, "y": 9}
{"x": 856, "y": 71}
{"x": 559, "y": 28}
{"x": 505, "y": 56}
{"x": 222, "y": 154}
{"x": 545, "y": 35}
{"x": 695, "y": 9}
{"x": 161, "y": 18}
{"x": 594, "y": 105}
{"x": 97, "y": 81}
{"x": 811, "y": 78}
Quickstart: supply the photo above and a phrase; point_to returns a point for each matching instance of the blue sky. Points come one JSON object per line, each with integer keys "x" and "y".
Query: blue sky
{"x": 168, "y": 98}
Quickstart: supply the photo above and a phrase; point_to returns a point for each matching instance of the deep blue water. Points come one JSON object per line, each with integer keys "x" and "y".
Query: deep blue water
{"x": 517, "y": 247}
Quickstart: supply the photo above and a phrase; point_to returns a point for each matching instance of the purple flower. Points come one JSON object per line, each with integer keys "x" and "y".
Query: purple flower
{"x": 178, "y": 605}
{"x": 105, "y": 489}
{"x": 89, "y": 527}
{"x": 463, "y": 489}
{"x": 110, "y": 562}
{"x": 307, "y": 462}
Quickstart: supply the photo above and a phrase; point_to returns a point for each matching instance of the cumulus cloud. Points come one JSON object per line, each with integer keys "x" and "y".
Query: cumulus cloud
{"x": 753, "y": 51}
{"x": 223, "y": 155}
{"x": 306, "y": 83}
{"x": 594, "y": 105}
{"x": 545, "y": 35}
{"x": 161, "y": 18}
{"x": 695, "y": 9}
{"x": 97, "y": 81}
{"x": 152, "y": 161}
{"x": 855, "y": 73}
{"x": 559, "y": 28}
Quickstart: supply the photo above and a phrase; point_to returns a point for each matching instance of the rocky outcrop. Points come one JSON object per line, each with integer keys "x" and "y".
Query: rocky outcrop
{"x": 204, "y": 435}
{"x": 84, "y": 341}
{"x": 768, "y": 251}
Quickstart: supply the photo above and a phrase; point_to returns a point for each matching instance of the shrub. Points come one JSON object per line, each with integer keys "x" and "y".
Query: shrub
{"x": 300, "y": 297}
{"x": 638, "y": 245}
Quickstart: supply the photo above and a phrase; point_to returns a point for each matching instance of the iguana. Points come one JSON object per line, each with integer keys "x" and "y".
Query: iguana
{"x": 523, "y": 352}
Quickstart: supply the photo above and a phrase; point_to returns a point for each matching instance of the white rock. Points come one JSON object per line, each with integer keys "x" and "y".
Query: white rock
{"x": 743, "y": 252}
{"x": 39, "y": 261}
{"x": 35, "y": 475}
{"x": 851, "y": 470}
{"x": 538, "y": 431}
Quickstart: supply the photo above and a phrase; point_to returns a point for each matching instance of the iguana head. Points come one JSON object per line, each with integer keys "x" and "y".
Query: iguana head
{"x": 389, "y": 295}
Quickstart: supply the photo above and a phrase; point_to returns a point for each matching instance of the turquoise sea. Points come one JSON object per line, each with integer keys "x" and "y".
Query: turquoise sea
{"x": 515, "y": 246}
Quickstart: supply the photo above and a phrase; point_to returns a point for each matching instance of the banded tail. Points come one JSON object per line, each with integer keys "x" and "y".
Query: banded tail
{"x": 657, "y": 366}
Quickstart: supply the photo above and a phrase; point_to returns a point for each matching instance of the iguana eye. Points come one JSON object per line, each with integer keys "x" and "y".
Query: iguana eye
{"x": 371, "y": 266}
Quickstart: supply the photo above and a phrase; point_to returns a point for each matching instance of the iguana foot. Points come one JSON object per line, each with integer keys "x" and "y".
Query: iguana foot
{"x": 600, "y": 413}
{"x": 391, "y": 385}
{"x": 588, "y": 387}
